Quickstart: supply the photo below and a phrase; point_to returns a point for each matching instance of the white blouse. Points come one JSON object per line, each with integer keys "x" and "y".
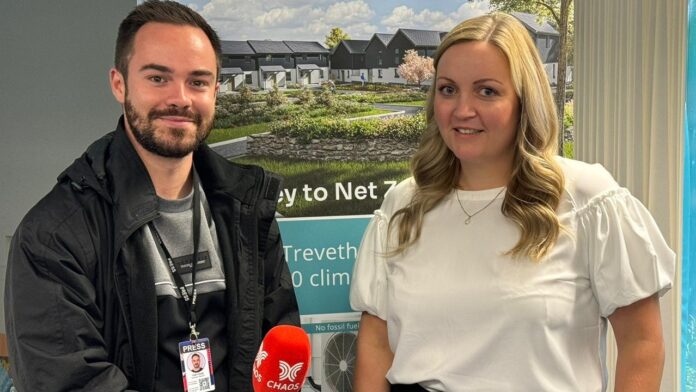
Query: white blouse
{"x": 462, "y": 316}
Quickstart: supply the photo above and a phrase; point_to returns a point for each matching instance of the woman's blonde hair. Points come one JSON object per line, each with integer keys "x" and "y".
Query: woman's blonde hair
{"x": 536, "y": 183}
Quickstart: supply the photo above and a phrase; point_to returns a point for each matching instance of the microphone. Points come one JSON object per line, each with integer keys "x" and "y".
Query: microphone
{"x": 283, "y": 360}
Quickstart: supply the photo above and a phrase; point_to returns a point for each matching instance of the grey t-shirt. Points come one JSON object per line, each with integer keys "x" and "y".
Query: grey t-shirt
{"x": 174, "y": 225}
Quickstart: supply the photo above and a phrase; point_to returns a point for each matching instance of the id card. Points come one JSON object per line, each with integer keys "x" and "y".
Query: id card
{"x": 197, "y": 365}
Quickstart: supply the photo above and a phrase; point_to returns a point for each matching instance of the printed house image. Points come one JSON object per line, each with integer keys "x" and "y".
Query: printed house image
{"x": 375, "y": 56}
{"x": 311, "y": 62}
{"x": 546, "y": 39}
{"x": 264, "y": 64}
{"x": 377, "y": 59}
{"x": 425, "y": 42}
{"x": 348, "y": 61}
{"x": 238, "y": 66}
{"x": 275, "y": 62}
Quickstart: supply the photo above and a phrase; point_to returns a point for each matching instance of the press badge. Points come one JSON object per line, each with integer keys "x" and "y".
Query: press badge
{"x": 197, "y": 365}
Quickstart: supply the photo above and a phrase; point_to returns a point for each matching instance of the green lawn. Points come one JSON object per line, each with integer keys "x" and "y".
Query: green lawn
{"x": 299, "y": 173}
{"x": 219, "y": 135}
{"x": 222, "y": 134}
{"x": 371, "y": 112}
{"x": 411, "y": 103}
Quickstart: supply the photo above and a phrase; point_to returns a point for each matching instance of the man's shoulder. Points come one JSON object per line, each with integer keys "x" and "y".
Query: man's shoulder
{"x": 59, "y": 213}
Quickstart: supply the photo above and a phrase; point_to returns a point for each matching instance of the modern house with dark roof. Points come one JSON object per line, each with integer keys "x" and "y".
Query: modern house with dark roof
{"x": 425, "y": 42}
{"x": 274, "y": 60}
{"x": 383, "y": 53}
{"x": 348, "y": 61}
{"x": 238, "y": 65}
{"x": 264, "y": 64}
{"x": 375, "y": 54}
{"x": 311, "y": 62}
{"x": 546, "y": 38}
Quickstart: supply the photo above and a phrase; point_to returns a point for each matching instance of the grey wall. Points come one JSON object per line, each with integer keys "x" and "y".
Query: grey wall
{"x": 54, "y": 96}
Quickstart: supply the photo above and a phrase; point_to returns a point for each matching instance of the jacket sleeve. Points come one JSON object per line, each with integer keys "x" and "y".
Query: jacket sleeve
{"x": 52, "y": 318}
{"x": 280, "y": 304}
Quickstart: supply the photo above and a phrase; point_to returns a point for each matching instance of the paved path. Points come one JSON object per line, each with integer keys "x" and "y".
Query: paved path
{"x": 231, "y": 148}
{"x": 409, "y": 110}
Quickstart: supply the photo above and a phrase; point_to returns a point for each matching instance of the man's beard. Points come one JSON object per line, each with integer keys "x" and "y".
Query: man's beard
{"x": 145, "y": 132}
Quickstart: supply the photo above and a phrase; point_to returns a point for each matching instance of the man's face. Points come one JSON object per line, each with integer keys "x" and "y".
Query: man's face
{"x": 196, "y": 361}
{"x": 169, "y": 95}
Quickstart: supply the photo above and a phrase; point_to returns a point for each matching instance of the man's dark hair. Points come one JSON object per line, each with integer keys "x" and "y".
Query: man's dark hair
{"x": 162, "y": 12}
{"x": 196, "y": 355}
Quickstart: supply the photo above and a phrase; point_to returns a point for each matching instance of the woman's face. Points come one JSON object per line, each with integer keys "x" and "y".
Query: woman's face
{"x": 476, "y": 107}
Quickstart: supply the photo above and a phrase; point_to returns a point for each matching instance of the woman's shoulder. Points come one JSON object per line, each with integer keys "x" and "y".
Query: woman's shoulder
{"x": 399, "y": 196}
{"x": 585, "y": 181}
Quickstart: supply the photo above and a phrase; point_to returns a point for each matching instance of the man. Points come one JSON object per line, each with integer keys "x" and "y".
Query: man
{"x": 196, "y": 363}
{"x": 150, "y": 241}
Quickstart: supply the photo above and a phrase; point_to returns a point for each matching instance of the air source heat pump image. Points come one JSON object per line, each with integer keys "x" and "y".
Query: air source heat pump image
{"x": 333, "y": 352}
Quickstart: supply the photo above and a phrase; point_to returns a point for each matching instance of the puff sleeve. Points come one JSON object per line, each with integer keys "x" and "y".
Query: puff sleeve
{"x": 368, "y": 291}
{"x": 628, "y": 258}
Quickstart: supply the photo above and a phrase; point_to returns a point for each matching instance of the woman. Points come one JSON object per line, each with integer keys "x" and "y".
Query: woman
{"x": 496, "y": 267}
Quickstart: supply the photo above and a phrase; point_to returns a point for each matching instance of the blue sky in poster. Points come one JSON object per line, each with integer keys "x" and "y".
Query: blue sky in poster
{"x": 312, "y": 19}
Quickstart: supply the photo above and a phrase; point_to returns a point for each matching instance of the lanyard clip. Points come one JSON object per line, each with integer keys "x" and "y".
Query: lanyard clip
{"x": 194, "y": 333}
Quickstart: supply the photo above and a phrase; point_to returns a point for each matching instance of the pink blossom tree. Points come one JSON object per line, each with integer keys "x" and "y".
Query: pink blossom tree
{"x": 415, "y": 69}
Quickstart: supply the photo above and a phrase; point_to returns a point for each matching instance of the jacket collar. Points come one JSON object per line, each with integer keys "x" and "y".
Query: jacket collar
{"x": 133, "y": 193}
{"x": 221, "y": 177}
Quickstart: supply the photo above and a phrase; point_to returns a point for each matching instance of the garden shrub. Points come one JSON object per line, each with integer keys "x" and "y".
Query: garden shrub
{"x": 306, "y": 97}
{"x": 404, "y": 96}
{"x": 568, "y": 116}
{"x": 275, "y": 97}
{"x": 357, "y": 86}
{"x": 229, "y": 115}
{"x": 326, "y": 97}
{"x": 246, "y": 96}
{"x": 305, "y": 129}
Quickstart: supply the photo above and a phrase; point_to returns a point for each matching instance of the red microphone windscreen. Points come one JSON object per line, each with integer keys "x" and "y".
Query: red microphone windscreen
{"x": 283, "y": 360}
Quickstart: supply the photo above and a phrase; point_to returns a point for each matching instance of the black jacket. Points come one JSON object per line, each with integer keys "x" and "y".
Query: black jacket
{"x": 80, "y": 303}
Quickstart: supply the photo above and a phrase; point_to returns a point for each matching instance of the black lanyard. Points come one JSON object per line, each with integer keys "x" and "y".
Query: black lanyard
{"x": 189, "y": 300}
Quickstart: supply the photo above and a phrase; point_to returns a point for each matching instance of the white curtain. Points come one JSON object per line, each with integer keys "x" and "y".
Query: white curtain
{"x": 629, "y": 115}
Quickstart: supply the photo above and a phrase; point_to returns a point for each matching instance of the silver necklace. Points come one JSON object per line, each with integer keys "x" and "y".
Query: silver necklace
{"x": 468, "y": 215}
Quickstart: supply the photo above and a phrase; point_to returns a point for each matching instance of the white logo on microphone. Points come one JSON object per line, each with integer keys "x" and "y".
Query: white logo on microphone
{"x": 288, "y": 372}
{"x": 260, "y": 356}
